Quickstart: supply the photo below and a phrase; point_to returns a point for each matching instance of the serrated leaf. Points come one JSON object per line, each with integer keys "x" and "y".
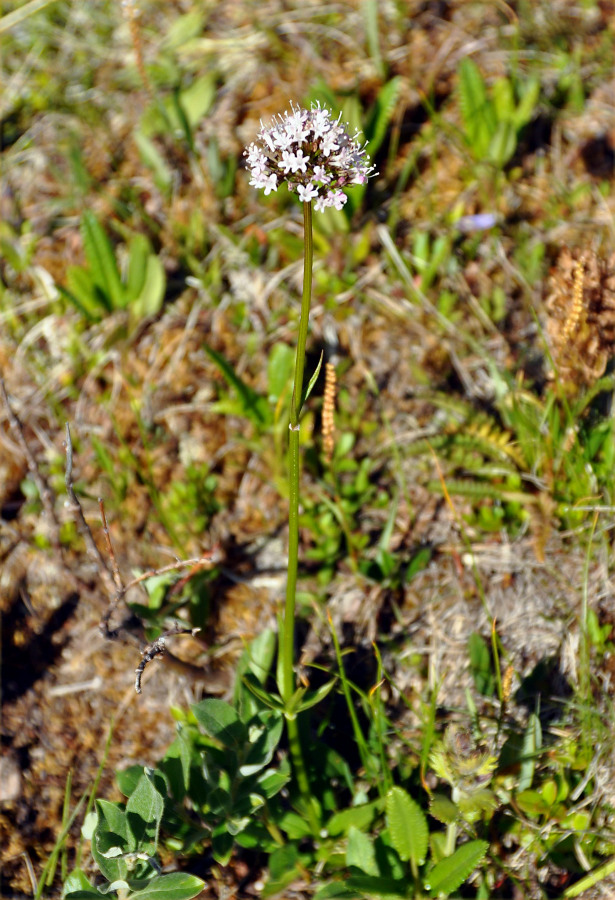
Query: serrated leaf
{"x": 174, "y": 886}
{"x": 443, "y": 809}
{"x": 447, "y": 875}
{"x": 407, "y": 826}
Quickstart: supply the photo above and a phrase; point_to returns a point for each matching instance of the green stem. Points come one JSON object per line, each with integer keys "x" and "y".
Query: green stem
{"x": 287, "y": 686}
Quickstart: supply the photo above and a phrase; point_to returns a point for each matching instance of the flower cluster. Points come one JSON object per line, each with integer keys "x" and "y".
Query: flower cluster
{"x": 312, "y": 152}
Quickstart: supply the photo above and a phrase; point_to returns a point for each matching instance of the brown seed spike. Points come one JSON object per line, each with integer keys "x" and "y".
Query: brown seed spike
{"x": 328, "y": 412}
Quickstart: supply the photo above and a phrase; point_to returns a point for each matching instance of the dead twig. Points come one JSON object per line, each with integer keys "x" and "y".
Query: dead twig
{"x": 86, "y": 532}
{"x": 158, "y": 648}
{"x": 110, "y": 572}
{"x": 45, "y": 492}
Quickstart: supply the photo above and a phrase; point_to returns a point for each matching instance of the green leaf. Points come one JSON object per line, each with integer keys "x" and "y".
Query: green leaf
{"x": 271, "y": 781}
{"x": 312, "y": 698}
{"x": 447, "y": 875}
{"x": 360, "y": 852}
{"x": 144, "y": 812}
{"x": 221, "y": 722}
{"x": 476, "y": 109}
{"x": 313, "y": 379}
{"x": 81, "y": 292}
{"x": 279, "y": 370}
{"x": 480, "y": 665}
{"x": 384, "y": 108}
{"x": 77, "y": 884}
{"x": 337, "y": 890}
{"x": 153, "y": 159}
{"x": 222, "y": 845}
{"x": 111, "y": 818}
{"x": 529, "y": 100}
{"x": 128, "y": 779}
{"x": 503, "y": 144}
{"x": 101, "y": 259}
{"x": 532, "y": 742}
{"x": 273, "y": 701}
{"x": 111, "y": 833}
{"x": 358, "y": 816}
{"x": 262, "y": 749}
{"x": 175, "y": 886}
{"x": 253, "y": 406}
{"x": 375, "y": 888}
{"x": 151, "y": 296}
{"x": 197, "y": 100}
{"x": 137, "y": 264}
{"x": 407, "y": 826}
{"x": 443, "y": 809}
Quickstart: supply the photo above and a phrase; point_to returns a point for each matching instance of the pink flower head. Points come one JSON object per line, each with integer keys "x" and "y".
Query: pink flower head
{"x": 312, "y": 152}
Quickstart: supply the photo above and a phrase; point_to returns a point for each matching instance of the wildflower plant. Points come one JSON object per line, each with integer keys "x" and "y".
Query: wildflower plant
{"x": 316, "y": 156}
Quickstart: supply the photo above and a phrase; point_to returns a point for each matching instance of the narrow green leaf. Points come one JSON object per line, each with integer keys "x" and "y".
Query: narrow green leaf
{"x": 532, "y": 742}
{"x": 407, "y": 826}
{"x": 313, "y": 379}
{"x": 150, "y": 299}
{"x": 476, "y": 109}
{"x": 153, "y": 159}
{"x": 312, "y": 698}
{"x": 137, "y": 265}
{"x": 254, "y": 406}
{"x": 480, "y": 665}
{"x": 101, "y": 260}
{"x": 279, "y": 370}
{"x": 384, "y": 108}
{"x": 450, "y": 873}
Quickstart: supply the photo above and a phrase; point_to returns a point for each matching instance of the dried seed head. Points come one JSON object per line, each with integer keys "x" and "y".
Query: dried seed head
{"x": 328, "y": 412}
{"x": 313, "y": 153}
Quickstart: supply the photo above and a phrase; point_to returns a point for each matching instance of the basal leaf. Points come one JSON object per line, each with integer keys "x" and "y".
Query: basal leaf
{"x": 477, "y": 110}
{"x": 174, "y": 886}
{"x": 101, "y": 260}
{"x": 407, "y": 826}
{"x": 221, "y": 722}
{"x": 144, "y": 811}
{"x": 450, "y": 873}
{"x": 360, "y": 852}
